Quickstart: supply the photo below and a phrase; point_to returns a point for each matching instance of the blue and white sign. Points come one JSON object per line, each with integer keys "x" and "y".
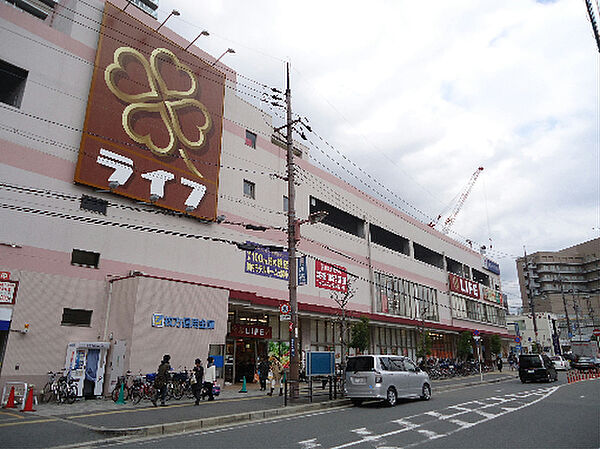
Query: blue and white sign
{"x": 162, "y": 320}
{"x": 266, "y": 263}
{"x": 492, "y": 266}
{"x": 302, "y": 271}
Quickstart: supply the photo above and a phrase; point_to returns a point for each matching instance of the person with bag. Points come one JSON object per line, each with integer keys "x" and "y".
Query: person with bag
{"x": 263, "y": 373}
{"x": 210, "y": 376}
{"x": 162, "y": 378}
{"x": 277, "y": 369}
{"x": 197, "y": 380}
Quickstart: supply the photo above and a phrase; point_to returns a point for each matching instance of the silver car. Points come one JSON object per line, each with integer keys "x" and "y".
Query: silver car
{"x": 385, "y": 377}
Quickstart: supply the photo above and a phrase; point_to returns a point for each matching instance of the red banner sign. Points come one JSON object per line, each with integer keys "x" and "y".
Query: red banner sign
{"x": 242, "y": 330}
{"x": 153, "y": 126}
{"x": 330, "y": 277}
{"x": 464, "y": 286}
{"x": 8, "y": 291}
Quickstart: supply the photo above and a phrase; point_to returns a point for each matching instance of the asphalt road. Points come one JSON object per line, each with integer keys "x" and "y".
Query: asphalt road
{"x": 506, "y": 415}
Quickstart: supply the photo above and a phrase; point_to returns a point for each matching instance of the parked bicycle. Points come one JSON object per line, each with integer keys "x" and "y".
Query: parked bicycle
{"x": 60, "y": 387}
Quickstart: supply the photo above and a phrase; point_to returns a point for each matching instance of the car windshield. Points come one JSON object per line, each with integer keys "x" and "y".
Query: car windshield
{"x": 360, "y": 364}
{"x": 530, "y": 362}
{"x": 584, "y": 359}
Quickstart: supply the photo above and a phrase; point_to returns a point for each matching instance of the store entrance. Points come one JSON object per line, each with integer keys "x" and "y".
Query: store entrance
{"x": 247, "y": 353}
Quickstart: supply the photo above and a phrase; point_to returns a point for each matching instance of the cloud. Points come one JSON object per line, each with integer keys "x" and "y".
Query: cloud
{"x": 421, "y": 94}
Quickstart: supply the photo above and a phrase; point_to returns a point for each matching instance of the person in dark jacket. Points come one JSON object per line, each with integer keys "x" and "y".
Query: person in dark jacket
{"x": 263, "y": 373}
{"x": 499, "y": 363}
{"x": 197, "y": 380}
{"x": 162, "y": 378}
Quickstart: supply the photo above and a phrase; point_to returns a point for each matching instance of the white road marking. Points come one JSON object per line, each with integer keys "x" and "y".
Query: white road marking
{"x": 462, "y": 424}
{"x": 429, "y": 434}
{"x": 408, "y": 426}
{"x": 362, "y": 431}
{"x": 309, "y": 444}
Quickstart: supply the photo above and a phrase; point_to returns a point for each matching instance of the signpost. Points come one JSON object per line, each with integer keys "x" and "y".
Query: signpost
{"x": 477, "y": 339}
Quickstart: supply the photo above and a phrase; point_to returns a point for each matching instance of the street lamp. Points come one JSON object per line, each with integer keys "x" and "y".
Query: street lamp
{"x": 203, "y": 33}
{"x": 229, "y": 50}
{"x": 173, "y": 13}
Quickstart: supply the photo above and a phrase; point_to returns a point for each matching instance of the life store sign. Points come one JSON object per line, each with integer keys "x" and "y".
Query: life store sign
{"x": 330, "y": 277}
{"x": 154, "y": 120}
{"x": 162, "y": 320}
{"x": 464, "y": 286}
{"x": 242, "y": 330}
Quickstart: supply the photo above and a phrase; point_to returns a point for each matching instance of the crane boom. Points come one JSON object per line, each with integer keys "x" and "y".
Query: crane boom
{"x": 463, "y": 196}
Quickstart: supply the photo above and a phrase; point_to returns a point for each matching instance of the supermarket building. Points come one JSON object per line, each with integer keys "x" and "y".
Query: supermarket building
{"x": 136, "y": 179}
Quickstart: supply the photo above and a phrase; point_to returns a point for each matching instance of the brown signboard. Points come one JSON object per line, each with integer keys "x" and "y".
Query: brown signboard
{"x": 154, "y": 119}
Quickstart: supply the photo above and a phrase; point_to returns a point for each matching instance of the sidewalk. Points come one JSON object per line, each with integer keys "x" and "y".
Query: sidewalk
{"x": 111, "y": 419}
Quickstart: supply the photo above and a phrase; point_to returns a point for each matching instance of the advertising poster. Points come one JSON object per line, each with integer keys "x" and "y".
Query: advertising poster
{"x": 330, "y": 277}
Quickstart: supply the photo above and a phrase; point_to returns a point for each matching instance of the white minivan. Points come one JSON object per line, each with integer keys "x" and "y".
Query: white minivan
{"x": 387, "y": 377}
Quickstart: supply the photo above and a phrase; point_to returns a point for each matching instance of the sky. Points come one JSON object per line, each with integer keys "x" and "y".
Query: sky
{"x": 420, "y": 94}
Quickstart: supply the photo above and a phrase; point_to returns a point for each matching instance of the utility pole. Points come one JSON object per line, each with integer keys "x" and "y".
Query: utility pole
{"x": 564, "y": 300}
{"x": 576, "y": 308}
{"x": 530, "y": 294}
{"x": 292, "y": 285}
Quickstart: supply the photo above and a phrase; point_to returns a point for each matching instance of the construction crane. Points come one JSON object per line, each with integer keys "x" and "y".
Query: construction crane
{"x": 461, "y": 200}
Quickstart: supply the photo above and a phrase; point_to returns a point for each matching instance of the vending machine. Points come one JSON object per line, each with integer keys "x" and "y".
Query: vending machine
{"x": 86, "y": 362}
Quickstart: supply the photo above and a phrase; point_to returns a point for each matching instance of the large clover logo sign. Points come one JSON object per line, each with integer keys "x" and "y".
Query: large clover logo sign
{"x": 159, "y": 99}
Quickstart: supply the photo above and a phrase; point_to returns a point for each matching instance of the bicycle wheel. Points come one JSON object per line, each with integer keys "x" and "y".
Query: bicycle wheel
{"x": 71, "y": 394}
{"x": 46, "y": 394}
{"x": 135, "y": 395}
{"x": 177, "y": 391}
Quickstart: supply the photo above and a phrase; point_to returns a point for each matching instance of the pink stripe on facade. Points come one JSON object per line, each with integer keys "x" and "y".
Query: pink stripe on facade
{"x": 31, "y": 160}
{"x": 40, "y": 29}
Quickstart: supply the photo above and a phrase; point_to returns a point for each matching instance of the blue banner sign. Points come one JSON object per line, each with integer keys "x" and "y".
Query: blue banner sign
{"x": 491, "y": 266}
{"x": 263, "y": 262}
{"x": 161, "y": 320}
{"x": 302, "y": 271}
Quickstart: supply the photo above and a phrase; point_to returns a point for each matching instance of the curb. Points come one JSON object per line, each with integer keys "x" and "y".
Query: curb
{"x": 217, "y": 421}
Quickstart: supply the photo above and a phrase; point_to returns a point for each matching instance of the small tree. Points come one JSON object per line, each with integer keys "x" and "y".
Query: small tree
{"x": 465, "y": 345}
{"x": 425, "y": 345}
{"x": 495, "y": 344}
{"x": 342, "y": 299}
{"x": 360, "y": 335}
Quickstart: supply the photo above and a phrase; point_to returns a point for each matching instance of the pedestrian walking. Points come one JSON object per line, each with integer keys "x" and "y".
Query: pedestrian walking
{"x": 277, "y": 370}
{"x": 197, "y": 380}
{"x": 162, "y": 378}
{"x": 499, "y": 363}
{"x": 263, "y": 373}
{"x": 210, "y": 376}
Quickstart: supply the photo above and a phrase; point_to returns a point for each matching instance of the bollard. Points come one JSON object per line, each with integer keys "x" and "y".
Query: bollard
{"x": 243, "y": 390}
{"x": 121, "y": 399}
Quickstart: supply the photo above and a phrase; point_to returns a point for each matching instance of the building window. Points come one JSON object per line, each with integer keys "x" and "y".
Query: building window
{"x": 12, "y": 84}
{"x": 249, "y": 189}
{"x": 286, "y": 203}
{"x": 85, "y": 258}
{"x": 76, "y": 317}
{"x": 250, "y": 139}
{"x": 93, "y": 204}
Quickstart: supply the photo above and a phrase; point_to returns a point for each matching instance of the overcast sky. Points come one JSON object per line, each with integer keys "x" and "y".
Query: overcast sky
{"x": 419, "y": 94}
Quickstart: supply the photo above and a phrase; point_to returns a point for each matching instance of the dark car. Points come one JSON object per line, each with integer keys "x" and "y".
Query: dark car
{"x": 583, "y": 363}
{"x": 536, "y": 367}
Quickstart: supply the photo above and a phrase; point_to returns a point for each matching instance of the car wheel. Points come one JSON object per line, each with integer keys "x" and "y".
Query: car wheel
{"x": 356, "y": 402}
{"x": 426, "y": 395}
{"x": 522, "y": 380}
{"x": 391, "y": 397}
